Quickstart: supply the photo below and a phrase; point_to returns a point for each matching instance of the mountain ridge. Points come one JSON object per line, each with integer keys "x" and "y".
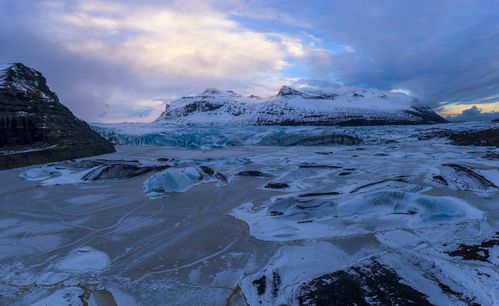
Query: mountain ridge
{"x": 341, "y": 106}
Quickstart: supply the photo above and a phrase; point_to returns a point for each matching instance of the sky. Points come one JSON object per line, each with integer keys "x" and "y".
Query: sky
{"x": 121, "y": 60}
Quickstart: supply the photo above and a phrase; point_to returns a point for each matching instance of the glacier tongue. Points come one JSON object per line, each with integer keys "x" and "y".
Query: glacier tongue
{"x": 206, "y": 137}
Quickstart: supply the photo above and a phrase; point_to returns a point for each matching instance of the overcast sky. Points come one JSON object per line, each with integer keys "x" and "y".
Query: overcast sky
{"x": 116, "y": 60}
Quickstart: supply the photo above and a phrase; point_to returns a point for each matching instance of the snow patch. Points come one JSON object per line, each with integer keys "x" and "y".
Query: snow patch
{"x": 84, "y": 260}
{"x": 67, "y": 296}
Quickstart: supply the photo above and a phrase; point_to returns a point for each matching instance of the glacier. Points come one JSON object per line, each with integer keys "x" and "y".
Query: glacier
{"x": 213, "y": 136}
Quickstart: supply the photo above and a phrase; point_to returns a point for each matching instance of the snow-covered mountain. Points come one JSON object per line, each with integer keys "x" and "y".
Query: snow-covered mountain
{"x": 342, "y": 106}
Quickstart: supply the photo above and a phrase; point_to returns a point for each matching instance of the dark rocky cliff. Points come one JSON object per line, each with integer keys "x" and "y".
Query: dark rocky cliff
{"x": 35, "y": 127}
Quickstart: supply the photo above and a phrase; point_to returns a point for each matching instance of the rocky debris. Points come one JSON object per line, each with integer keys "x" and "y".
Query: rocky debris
{"x": 253, "y": 173}
{"x": 345, "y": 173}
{"x": 395, "y": 179}
{"x": 35, "y": 127}
{"x": 321, "y": 140}
{"x": 479, "y": 252}
{"x": 366, "y": 284}
{"x": 491, "y": 155}
{"x": 318, "y": 166}
{"x": 489, "y": 137}
{"x": 276, "y": 185}
{"x": 324, "y": 153}
{"x": 274, "y": 284}
{"x": 484, "y": 137}
{"x": 440, "y": 179}
{"x": 260, "y": 284}
{"x": 459, "y": 177}
{"x": 318, "y": 194}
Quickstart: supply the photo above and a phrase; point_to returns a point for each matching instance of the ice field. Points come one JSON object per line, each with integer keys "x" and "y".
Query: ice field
{"x": 256, "y": 215}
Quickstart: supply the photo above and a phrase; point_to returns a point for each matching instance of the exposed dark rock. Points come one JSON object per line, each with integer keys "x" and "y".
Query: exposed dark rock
{"x": 324, "y": 153}
{"x": 260, "y": 285}
{"x": 479, "y": 252}
{"x": 35, "y": 127}
{"x": 440, "y": 179}
{"x": 370, "y": 284}
{"x": 489, "y": 137}
{"x": 492, "y": 156}
{"x": 345, "y": 173}
{"x": 427, "y": 115}
{"x": 288, "y": 91}
{"x": 276, "y": 282}
{"x": 319, "y": 166}
{"x": 396, "y": 179}
{"x": 164, "y": 159}
{"x": 207, "y": 170}
{"x": 467, "y": 179}
{"x": 253, "y": 173}
{"x": 321, "y": 140}
{"x": 276, "y": 185}
{"x": 221, "y": 177}
{"x": 318, "y": 194}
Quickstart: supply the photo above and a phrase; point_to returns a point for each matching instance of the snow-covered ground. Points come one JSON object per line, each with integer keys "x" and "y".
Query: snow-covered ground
{"x": 258, "y": 215}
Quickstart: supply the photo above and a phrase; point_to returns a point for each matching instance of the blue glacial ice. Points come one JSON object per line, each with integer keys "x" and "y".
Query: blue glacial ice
{"x": 291, "y": 218}
{"x": 172, "y": 180}
{"x": 212, "y": 136}
{"x": 204, "y": 137}
{"x": 180, "y": 180}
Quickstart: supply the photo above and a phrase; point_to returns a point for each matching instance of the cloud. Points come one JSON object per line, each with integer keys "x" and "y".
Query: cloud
{"x": 442, "y": 51}
{"x": 121, "y": 53}
{"x": 474, "y": 114}
{"x": 130, "y": 53}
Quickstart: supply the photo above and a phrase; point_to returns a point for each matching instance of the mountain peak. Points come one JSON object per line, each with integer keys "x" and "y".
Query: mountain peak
{"x": 288, "y": 91}
{"x": 218, "y": 92}
{"x": 211, "y": 91}
{"x": 16, "y": 79}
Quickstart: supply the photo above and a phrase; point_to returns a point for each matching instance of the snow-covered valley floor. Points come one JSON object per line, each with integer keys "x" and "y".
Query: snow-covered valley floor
{"x": 395, "y": 219}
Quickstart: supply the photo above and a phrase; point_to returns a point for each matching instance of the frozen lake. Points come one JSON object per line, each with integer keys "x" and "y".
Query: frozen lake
{"x": 267, "y": 215}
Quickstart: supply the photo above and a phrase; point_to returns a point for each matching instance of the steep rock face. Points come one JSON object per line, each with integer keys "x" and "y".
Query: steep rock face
{"x": 342, "y": 106}
{"x": 35, "y": 127}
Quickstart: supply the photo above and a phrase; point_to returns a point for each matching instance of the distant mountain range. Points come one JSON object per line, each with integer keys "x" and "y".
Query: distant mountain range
{"x": 35, "y": 127}
{"x": 341, "y": 106}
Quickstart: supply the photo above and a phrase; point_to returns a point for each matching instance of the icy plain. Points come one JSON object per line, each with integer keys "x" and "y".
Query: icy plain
{"x": 256, "y": 215}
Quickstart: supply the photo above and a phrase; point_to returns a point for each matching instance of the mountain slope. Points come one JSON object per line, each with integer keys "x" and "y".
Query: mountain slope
{"x": 343, "y": 106}
{"x": 35, "y": 127}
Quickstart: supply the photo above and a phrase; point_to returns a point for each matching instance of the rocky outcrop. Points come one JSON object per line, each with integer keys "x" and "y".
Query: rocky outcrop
{"x": 488, "y": 137}
{"x": 35, "y": 127}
